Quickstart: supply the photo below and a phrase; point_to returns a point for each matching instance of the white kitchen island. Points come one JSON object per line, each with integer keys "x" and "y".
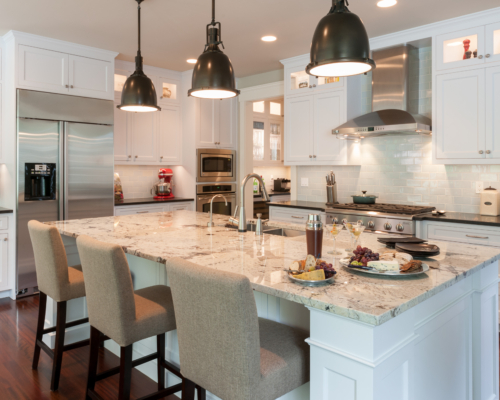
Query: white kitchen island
{"x": 429, "y": 338}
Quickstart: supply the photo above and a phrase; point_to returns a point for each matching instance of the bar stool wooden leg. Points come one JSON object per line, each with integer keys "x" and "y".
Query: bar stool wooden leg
{"x": 188, "y": 388}
{"x": 202, "y": 393}
{"x": 95, "y": 339}
{"x": 125, "y": 372}
{"x": 160, "y": 344}
{"x": 59, "y": 345}
{"x": 42, "y": 306}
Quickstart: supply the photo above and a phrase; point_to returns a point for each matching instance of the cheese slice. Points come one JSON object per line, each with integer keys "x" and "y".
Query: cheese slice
{"x": 318, "y": 275}
{"x": 384, "y": 265}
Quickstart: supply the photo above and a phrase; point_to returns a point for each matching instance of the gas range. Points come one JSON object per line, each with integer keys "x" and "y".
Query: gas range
{"x": 388, "y": 218}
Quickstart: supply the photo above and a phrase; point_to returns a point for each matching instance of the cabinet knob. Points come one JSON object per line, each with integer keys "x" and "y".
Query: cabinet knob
{"x": 129, "y": 156}
{"x": 487, "y": 56}
{"x": 488, "y": 152}
{"x": 136, "y": 156}
{"x": 480, "y": 57}
{"x": 5, "y": 239}
{"x": 314, "y": 156}
{"x": 71, "y": 86}
{"x": 310, "y": 156}
{"x": 67, "y": 86}
{"x": 314, "y": 85}
{"x": 480, "y": 152}
{"x": 310, "y": 86}
{"x": 161, "y": 97}
{"x": 161, "y": 157}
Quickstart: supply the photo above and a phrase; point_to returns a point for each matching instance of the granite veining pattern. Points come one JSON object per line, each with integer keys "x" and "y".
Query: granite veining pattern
{"x": 373, "y": 300}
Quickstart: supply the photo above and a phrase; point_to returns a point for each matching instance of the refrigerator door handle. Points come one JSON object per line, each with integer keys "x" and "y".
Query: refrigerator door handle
{"x": 65, "y": 191}
{"x": 60, "y": 183}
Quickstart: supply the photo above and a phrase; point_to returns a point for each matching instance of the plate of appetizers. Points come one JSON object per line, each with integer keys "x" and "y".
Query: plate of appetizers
{"x": 394, "y": 264}
{"x": 311, "y": 272}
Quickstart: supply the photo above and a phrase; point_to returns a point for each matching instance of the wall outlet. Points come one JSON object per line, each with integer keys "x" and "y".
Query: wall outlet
{"x": 304, "y": 181}
{"x": 479, "y": 186}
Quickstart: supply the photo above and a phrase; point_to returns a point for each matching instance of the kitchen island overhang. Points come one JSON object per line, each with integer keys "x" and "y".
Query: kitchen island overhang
{"x": 370, "y": 338}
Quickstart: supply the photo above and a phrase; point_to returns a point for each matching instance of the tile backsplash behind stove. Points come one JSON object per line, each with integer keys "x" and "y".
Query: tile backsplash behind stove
{"x": 399, "y": 169}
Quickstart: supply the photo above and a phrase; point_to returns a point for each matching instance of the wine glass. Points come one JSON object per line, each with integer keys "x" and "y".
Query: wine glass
{"x": 351, "y": 226}
{"x": 357, "y": 231}
{"x": 333, "y": 231}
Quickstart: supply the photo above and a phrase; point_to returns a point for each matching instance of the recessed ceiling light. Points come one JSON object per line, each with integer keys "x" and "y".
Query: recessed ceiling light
{"x": 192, "y": 61}
{"x": 386, "y": 3}
{"x": 268, "y": 38}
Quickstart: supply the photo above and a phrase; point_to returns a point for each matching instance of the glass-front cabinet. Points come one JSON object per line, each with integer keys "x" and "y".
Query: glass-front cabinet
{"x": 301, "y": 83}
{"x": 468, "y": 47}
{"x": 268, "y": 132}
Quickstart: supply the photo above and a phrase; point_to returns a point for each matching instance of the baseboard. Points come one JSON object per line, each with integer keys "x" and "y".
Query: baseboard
{"x": 7, "y": 293}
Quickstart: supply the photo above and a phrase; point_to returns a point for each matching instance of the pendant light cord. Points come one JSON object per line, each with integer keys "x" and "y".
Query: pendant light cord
{"x": 213, "y": 12}
{"x": 138, "y": 59}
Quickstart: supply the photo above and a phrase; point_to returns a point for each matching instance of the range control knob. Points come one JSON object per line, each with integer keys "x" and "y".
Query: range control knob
{"x": 335, "y": 220}
{"x": 388, "y": 226}
{"x": 361, "y": 222}
{"x": 400, "y": 227}
{"x": 371, "y": 224}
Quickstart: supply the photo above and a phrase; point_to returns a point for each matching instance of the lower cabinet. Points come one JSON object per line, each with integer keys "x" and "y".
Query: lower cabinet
{"x": 462, "y": 233}
{"x": 4, "y": 261}
{"x": 7, "y": 264}
{"x": 153, "y": 208}
{"x": 293, "y": 215}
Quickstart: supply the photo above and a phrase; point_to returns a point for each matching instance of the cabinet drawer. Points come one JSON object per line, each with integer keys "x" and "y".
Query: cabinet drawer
{"x": 181, "y": 206}
{"x": 476, "y": 235}
{"x": 4, "y": 222}
{"x": 293, "y": 215}
{"x": 122, "y": 210}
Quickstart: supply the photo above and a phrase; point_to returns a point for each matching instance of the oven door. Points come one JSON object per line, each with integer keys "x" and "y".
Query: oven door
{"x": 216, "y": 165}
{"x": 219, "y": 205}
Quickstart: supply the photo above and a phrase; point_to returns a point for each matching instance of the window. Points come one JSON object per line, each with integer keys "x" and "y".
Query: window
{"x": 258, "y": 140}
{"x": 275, "y": 108}
{"x": 119, "y": 82}
{"x": 259, "y": 106}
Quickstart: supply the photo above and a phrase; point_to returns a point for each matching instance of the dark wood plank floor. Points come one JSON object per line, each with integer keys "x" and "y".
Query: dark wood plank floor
{"x": 18, "y": 381}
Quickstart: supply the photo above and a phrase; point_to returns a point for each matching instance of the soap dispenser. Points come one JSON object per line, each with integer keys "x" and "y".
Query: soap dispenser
{"x": 490, "y": 202}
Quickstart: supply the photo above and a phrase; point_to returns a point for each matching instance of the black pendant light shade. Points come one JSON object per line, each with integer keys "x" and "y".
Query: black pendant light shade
{"x": 139, "y": 93}
{"x": 213, "y": 75}
{"x": 340, "y": 45}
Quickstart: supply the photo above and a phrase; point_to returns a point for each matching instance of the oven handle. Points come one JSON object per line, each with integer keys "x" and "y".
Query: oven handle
{"x": 218, "y": 199}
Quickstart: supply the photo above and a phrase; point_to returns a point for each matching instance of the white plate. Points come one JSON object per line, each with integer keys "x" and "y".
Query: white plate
{"x": 396, "y": 274}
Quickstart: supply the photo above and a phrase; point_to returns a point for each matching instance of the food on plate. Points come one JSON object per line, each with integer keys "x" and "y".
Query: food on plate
{"x": 412, "y": 266}
{"x": 317, "y": 275}
{"x": 363, "y": 255}
{"x": 384, "y": 265}
{"x": 402, "y": 258}
{"x": 313, "y": 266}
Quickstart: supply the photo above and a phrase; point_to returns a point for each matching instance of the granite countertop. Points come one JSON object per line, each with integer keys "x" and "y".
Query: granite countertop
{"x": 148, "y": 200}
{"x": 309, "y": 205}
{"x": 460, "y": 218}
{"x": 373, "y": 300}
{"x": 5, "y": 210}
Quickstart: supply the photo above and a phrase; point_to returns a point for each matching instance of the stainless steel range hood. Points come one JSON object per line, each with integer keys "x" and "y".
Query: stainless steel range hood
{"x": 390, "y": 95}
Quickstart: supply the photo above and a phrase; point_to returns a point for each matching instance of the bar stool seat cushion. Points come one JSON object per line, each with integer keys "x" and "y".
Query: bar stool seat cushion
{"x": 284, "y": 359}
{"x": 76, "y": 287}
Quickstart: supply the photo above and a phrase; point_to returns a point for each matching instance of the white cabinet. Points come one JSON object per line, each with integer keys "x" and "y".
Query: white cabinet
{"x": 153, "y": 208}
{"x": 4, "y": 261}
{"x": 460, "y": 117}
{"x": 492, "y": 34}
{"x": 492, "y": 125}
{"x": 299, "y": 83}
{"x": 121, "y": 133}
{"x": 216, "y": 124}
{"x": 188, "y": 206}
{"x": 58, "y": 72}
{"x": 170, "y": 135}
{"x": 299, "y": 129}
{"x": 293, "y": 215}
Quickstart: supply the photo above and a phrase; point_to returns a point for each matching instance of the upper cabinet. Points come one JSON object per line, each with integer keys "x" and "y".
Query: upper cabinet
{"x": 216, "y": 124}
{"x": 298, "y": 82}
{"x": 58, "y": 72}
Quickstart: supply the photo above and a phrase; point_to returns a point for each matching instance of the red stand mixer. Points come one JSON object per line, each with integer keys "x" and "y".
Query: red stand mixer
{"x": 164, "y": 188}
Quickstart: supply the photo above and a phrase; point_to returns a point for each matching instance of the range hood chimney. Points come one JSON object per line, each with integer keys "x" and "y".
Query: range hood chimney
{"x": 390, "y": 100}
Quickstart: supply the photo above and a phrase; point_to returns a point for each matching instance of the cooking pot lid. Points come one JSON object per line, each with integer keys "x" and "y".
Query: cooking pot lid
{"x": 370, "y": 196}
{"x": 490, "y": 188}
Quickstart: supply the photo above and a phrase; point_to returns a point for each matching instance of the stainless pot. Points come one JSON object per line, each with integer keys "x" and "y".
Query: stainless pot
{"x": 161, "y": 188}
{"x": 364, "y": 199}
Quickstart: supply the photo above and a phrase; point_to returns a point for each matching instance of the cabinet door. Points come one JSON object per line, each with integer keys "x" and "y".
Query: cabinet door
{"x": 43, "y": 70}
{"x": 170, "y": 135}
{"x": 181, "y": 206}
{"x": 460, "y": 115}
{"x": 298, "y": 81}
{"x": 275, "y": 153}
{"x": 226, "y": 123}
{"x": 492, "y": 50}
{"x": 4, "y": 261}
{"x": 463, "y": 48}
{"x": 206, "y": 131}
{"x": 143, "y": 137}
{"x": 329, "y": 113}
{"x": 121, "y": 135}
{"x": 299, "y": 129}
{"x": 90, "y": 78}
{"x": 168, "y": 90}
{"x": 493, "y": 112}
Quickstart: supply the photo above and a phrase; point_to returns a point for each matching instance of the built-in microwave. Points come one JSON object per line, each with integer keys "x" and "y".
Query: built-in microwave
{"x": 216, "y": 165}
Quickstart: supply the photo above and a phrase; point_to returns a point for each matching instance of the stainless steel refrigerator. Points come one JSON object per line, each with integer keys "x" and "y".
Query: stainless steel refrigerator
{"x": 65, "y": 166}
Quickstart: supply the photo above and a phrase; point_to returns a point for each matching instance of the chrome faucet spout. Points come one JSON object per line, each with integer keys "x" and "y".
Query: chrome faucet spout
{"x": 210, "y": 224}
{"x": 242, "y": 223}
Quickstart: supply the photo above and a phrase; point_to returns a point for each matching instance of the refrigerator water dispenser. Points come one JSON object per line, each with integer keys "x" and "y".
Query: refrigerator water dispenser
{"x": 39, "y": 181}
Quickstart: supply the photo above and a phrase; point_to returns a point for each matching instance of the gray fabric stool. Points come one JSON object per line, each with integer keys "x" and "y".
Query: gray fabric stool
{"x": 224, "y": 346}
{"x": 61, "y": 283}
{"x": 124, "y": 315}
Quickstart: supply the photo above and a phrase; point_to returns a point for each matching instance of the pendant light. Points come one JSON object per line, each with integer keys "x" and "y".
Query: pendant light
{"x": 340, "y": 45}
{"x": 139, "y": 93}
{"x": 213, "y": 75}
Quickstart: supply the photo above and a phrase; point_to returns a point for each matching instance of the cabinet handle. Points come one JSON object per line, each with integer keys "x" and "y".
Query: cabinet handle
{"x": 477, "y": 237}
{"x": 136, "y": 156}
{"x": 480, "y": 152}
{"x": 67, "y": 86}
{"x": 487, "y": 56}
{"x": 142, "y": 212}
{"x": 480, "y": 57}
{"x": 488, "y": 152}
{"x": 293, "y": 216}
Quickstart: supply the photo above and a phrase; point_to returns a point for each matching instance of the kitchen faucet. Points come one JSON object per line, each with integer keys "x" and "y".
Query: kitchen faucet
{"x": 210, "y": 224}
{"x": 242, "y": 221}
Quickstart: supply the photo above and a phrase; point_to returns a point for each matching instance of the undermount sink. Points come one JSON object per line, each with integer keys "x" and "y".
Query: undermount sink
{"x": 269, "y": 230}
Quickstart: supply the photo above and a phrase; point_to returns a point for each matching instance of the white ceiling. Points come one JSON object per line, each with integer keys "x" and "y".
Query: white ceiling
{"x": 174, "y": 30}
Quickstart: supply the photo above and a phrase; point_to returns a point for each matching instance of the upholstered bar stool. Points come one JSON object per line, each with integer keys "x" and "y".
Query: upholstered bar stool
{"x": 224, "y": 346}
{"x": 60, "y": 282}
{"x": 124, "y": 315}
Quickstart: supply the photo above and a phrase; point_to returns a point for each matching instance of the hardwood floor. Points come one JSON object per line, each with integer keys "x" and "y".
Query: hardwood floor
{"x": 18, "y": 381}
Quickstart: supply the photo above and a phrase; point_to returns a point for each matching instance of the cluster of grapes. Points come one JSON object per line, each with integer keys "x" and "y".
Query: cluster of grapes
{"x": 328, "y": 268}
{"x": 362, "y": 255}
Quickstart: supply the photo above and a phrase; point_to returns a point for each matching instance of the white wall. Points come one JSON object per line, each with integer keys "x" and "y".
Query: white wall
{"x": 269, "y": 173}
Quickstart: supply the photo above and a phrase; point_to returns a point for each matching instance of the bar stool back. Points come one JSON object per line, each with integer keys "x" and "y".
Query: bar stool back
{"x": 60, "y": 282}
{"x": 224, "y": 346}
